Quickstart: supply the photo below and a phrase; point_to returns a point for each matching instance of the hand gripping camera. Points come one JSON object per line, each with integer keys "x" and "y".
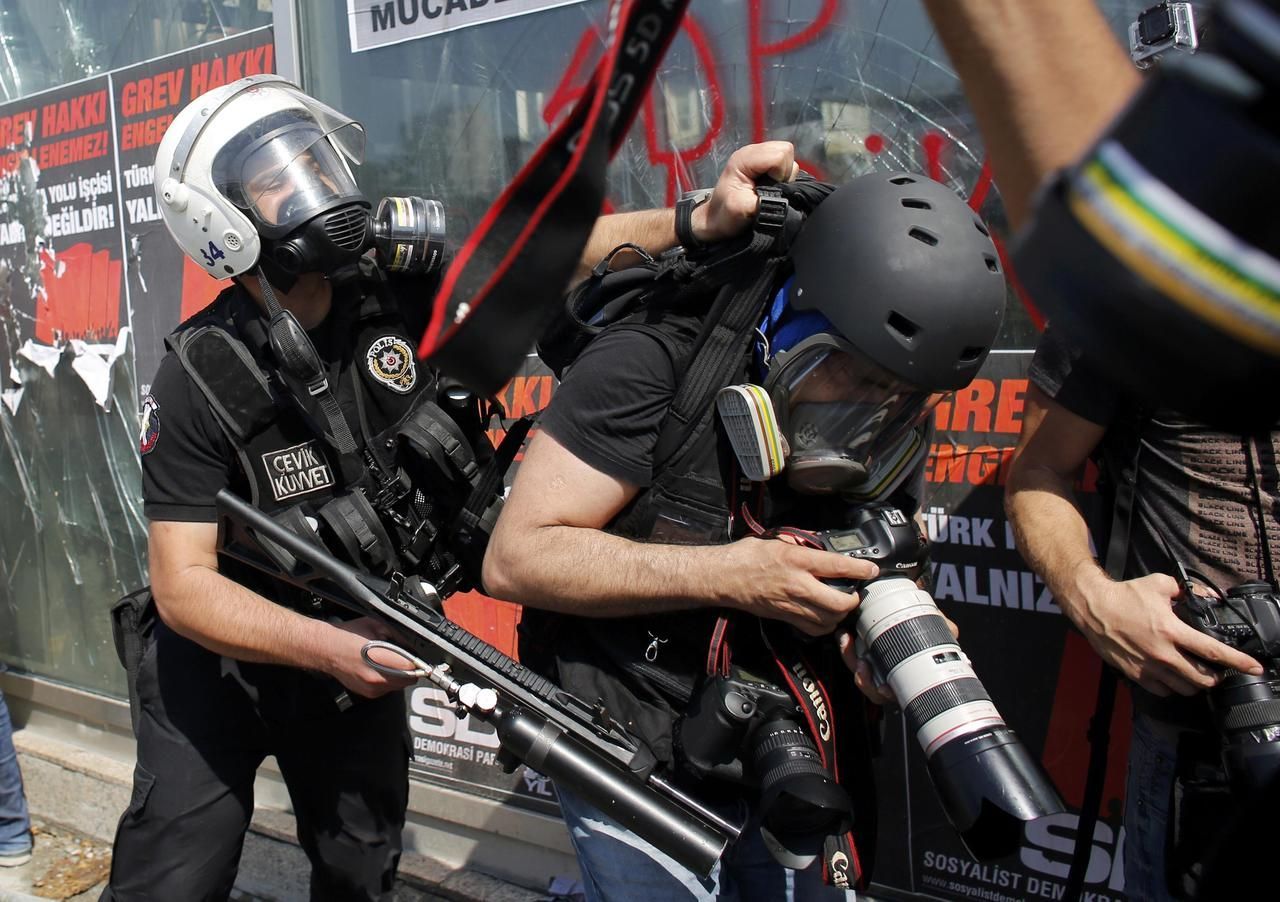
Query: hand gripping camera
{"x": 987, "y": 781}
{"x": 1246, "y": 708}
{"x": 744, "y": 729}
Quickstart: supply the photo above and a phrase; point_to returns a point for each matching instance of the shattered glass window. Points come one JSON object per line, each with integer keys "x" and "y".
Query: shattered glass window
{"x": 45, "y": 44}
{"x": 856, "y": 85}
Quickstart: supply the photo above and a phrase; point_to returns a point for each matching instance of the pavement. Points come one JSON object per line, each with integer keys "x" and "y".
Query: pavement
{"x": 71, "y": 867}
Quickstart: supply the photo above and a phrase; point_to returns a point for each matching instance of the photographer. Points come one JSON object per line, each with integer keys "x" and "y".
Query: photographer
{"x": 1204, "y": 498}
{"x": 1046, "y": 82}
{"x": 289, "y": 389}
{"x": 640, "y": 576}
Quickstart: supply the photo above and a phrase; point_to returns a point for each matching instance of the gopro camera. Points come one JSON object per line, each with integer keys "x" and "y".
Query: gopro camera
{"x": 1167, "y": 26}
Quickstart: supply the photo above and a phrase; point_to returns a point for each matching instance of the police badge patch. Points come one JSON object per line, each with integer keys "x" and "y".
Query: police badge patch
{"x": 150, "y": 425}
{"x": 391, "y": 362}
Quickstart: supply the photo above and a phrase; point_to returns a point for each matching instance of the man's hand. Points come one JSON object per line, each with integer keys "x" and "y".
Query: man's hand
{"x": 783, "y": 581}
{"x": 863, "y": 675}
{"x": 1133, "y": 627}
{"x": 733, "y": 202}
{"x": 347, "y": 666}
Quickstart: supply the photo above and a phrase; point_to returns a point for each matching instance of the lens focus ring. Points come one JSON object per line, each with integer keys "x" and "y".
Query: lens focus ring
{"x": 910, "y": 637}
{"x": 943, "y": 697}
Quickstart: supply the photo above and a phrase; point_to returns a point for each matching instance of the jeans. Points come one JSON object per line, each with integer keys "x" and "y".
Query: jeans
{"x": 1148, "y": 791}
{"x": 15, "y": 823}
{"x": 618, "y": 865}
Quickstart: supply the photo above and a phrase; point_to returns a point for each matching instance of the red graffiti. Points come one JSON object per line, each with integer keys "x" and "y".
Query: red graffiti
{"x": 676, "y": 161}
{"x": 758, "y": 50}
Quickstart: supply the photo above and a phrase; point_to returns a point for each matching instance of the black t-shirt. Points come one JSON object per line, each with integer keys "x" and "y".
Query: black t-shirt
{"x": 609, "y": 409}
{"x": 1195, "y": 485}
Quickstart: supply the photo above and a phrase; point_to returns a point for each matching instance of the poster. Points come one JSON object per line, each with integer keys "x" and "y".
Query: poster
{"x": 60, "y": 259}
{"x": 165, "y": 285}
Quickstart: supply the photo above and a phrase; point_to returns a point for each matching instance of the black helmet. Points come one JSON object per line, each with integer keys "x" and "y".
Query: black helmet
{"x": 907, "y": 273}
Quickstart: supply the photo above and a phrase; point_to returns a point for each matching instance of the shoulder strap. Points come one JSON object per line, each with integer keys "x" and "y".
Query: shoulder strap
{"x": 1121, "y": 464}
{"x": 231, "y": 381}
{"x": 718, "y": 352}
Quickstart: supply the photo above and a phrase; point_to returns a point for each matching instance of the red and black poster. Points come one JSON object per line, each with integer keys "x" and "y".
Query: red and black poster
{"x": 165, "y": 286}
{"x": 59, "y": 221}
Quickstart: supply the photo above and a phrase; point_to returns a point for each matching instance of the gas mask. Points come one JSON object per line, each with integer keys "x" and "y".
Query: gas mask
{"x": 298, "y": 190}
{"x": 834, "y": 421}
{"x": 257, "y": 173}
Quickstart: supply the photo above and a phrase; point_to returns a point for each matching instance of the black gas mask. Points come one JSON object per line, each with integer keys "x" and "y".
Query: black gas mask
{"x": 292, "y": 179}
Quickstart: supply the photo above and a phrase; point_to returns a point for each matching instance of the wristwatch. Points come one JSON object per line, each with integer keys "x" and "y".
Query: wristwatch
{"x": 688, "y": 202}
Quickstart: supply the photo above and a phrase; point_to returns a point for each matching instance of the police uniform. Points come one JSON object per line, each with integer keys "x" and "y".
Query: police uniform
{"x": 206, "y": 722}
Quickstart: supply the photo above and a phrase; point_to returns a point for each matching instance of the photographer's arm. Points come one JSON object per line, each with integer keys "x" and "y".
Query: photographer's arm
{"x": 1131, "y": 624}
{"x": 730, "y": 209}
{"x": 1043, "y": 80}
{"x": 198, "y": 602}
{"x": 549, "y": 551}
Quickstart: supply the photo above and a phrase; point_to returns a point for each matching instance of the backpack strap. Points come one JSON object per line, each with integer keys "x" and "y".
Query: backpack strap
{"x": 725, "y": 339}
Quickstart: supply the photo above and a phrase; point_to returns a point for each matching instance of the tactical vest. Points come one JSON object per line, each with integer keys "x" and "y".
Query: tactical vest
{"x": 279, "y": 443}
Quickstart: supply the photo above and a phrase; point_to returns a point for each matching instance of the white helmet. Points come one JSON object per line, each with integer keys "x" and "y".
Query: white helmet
{"x": 246, "y": 165}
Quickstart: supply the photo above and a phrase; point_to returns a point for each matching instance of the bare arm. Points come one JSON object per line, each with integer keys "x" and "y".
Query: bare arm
{"x": 1043, "y": 80}
{"x": 1131, "y": 624}
{"x": 198, "y": 602}
{"x": 731, "y": 207}
{"x": 549, "y": 551}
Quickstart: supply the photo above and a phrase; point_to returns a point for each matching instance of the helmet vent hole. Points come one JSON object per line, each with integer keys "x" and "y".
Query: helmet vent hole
{"x": 924, "y": 236}
{"x": 902, "y": 180}
{"x": 971, "y": 354}
{"x": 902, "y": 328}
{"x": 915, "y": 203}
{"x": 992, "y": 263}
{"x": 977, "y": 224}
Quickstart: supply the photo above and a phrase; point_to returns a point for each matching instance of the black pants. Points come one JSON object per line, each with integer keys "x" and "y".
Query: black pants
{"x": 205, "y": 726}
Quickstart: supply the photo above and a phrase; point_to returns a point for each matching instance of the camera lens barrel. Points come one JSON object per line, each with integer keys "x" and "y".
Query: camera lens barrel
{"x": 987, "y": 781}
{"x": 1247, "y": 711}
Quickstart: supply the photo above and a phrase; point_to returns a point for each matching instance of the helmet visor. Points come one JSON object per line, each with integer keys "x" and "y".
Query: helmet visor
{"x": 835, "y": 404}
{"x": 289, "y": 176}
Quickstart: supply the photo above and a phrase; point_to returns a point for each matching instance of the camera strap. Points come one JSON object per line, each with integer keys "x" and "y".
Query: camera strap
{"x": 486, "y": 316}
{"x": 841, "y": 865}
{"x": 1124, "y": 475}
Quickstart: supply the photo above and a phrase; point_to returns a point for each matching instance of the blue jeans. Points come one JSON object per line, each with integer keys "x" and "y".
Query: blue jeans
{"x": 618, "y": 865}
{"x": 15, "y": 824}
{"x": 1148, "y": 792}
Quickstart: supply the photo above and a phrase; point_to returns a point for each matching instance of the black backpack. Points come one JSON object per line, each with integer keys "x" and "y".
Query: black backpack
{"x": 727, "y": 286}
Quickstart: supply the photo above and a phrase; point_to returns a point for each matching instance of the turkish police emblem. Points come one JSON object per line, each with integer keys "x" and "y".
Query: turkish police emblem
{"x": 150, "y": 425}
{"x": 391, "y": 362}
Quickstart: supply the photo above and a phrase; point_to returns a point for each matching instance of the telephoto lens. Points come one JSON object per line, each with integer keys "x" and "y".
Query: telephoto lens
{"x": 987, "y": 781}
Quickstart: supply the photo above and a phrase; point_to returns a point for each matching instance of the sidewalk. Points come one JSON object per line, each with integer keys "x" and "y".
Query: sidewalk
{"x": 67, "y": 786}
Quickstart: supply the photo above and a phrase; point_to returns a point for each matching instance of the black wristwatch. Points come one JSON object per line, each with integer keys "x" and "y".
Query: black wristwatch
{"x": 688, "y": 202}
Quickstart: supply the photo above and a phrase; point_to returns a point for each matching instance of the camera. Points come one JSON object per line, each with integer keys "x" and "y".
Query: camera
{"x": 745, "y": 730}
{"x": 987, "y": 781}
{"x": 1246, "y": 709}
{"x": 1161, "y": 28}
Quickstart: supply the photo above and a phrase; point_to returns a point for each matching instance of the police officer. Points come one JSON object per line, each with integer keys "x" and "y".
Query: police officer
{"x": 633, "y": 575}
{"x": 276, "y": 391}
